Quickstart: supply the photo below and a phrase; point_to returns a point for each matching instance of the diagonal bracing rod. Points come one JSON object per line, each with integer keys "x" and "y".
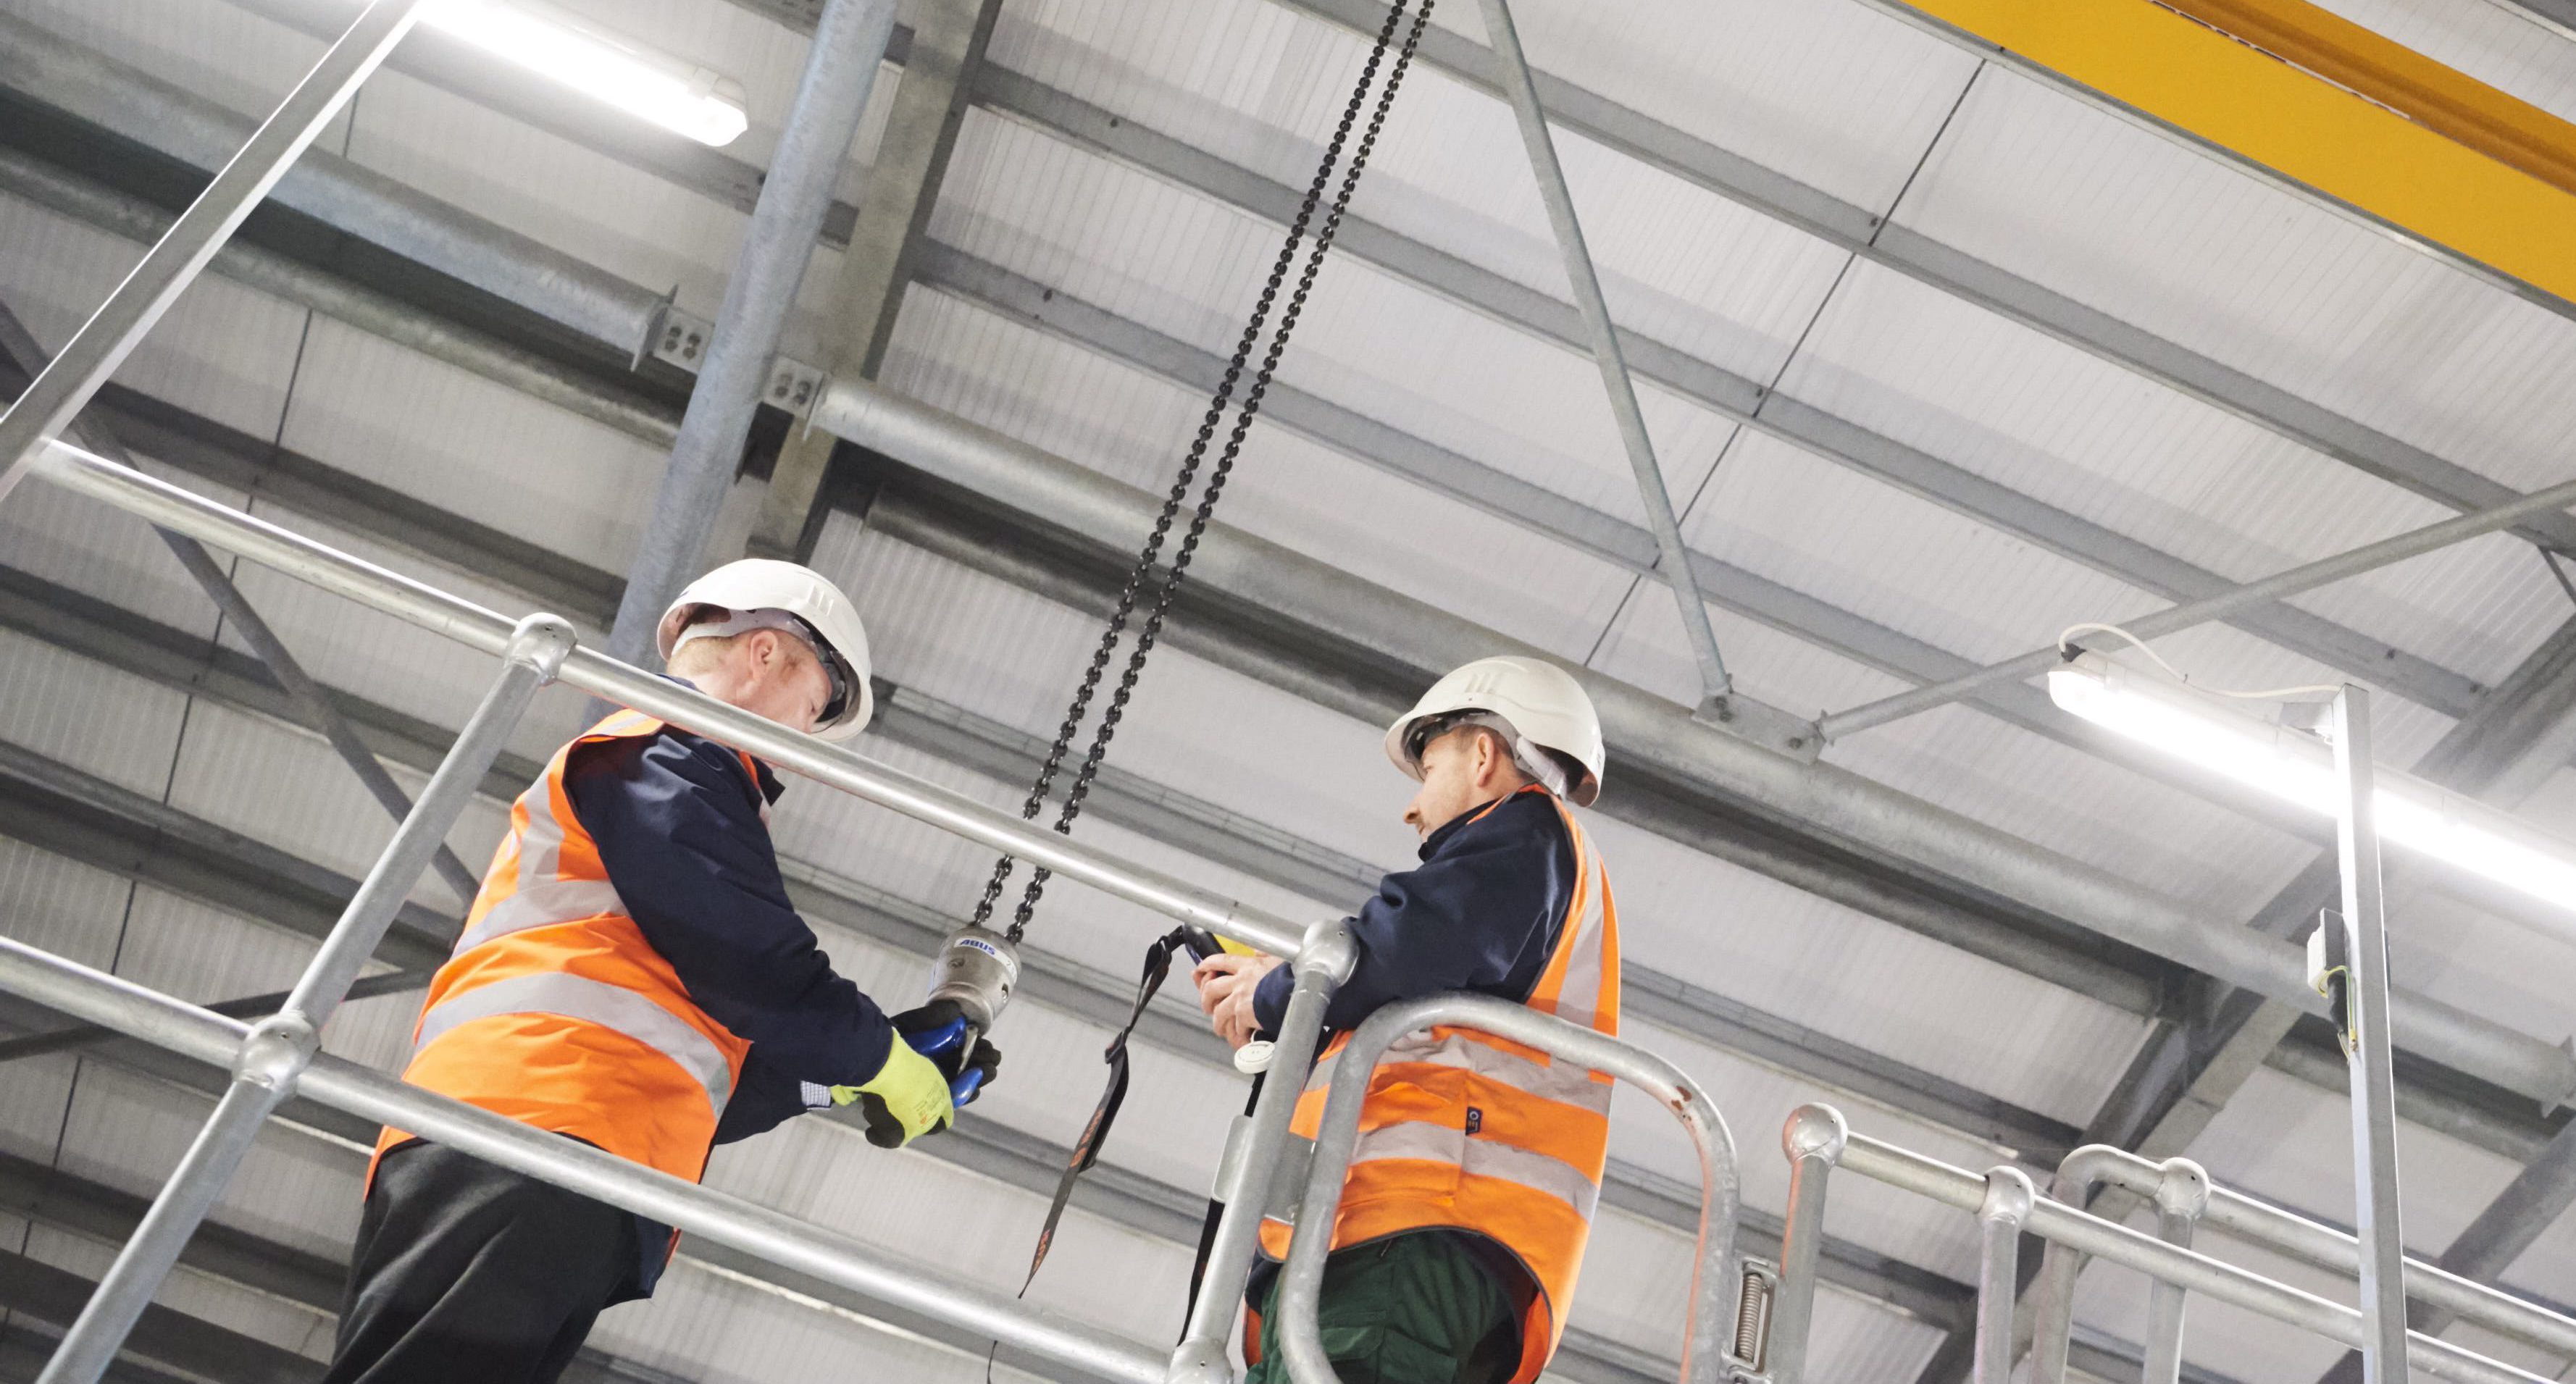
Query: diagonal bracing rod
{"x": 103, "y": 342}
{"x": 2279, "y": 586}
{"x": 1513, "y": 67}
{"x": 20, "y": 348}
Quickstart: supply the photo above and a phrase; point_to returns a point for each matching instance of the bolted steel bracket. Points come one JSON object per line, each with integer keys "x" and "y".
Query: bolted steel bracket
{"x": 1763, "y": 724}
{"x": 678, "y": 337}
{"x": 793, "y": 386}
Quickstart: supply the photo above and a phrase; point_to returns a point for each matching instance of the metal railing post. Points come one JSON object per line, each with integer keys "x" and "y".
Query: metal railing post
{"x": 2181, "y": 1191}
{"x": 2374, "y": 1085}
{"x": 2059, "y": 1223}
{"x": 280, "y": 1047}
{"x": 1813, "y": 1139}
{"x": 64, "y": 389}
{"x": 2000, "y": 1217}
{"x": 1321, "y": 967}
{"x": 2182, "y": 1194}
{"x": 1708, "y": 1346}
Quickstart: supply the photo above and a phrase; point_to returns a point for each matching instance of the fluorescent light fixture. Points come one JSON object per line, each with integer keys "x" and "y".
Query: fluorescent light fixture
{"x": 651, "y": 85}
{"x": 2218, "y": 736}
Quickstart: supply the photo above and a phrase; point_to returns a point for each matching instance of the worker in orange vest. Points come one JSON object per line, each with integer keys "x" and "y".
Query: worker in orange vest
{"x": 632, "y": 975}
{"x": 1471, "y": 1192}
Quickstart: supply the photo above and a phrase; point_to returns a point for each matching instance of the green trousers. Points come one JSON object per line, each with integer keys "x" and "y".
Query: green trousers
{"x": 1418, "y": 1308}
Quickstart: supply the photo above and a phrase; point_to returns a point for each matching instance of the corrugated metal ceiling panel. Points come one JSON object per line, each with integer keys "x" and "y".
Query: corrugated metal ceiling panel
{"x": 1150, "y": 252}
{"x": 222, "y": 350}
{"x": 2172, "y": 242}
{"x": 2506, "y": 45}
{"x": 2022, "y": 409}
{"x": 1286, "y": 489}
{"x": 1263, "y": 88}
{"x": 1837, "y": 95}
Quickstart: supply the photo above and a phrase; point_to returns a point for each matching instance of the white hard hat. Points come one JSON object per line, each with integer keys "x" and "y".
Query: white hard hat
{"x": 758, "y": 585}
{"x": 1544, "y": 706}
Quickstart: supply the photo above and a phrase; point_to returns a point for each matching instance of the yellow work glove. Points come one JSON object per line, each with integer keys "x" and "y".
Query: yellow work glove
{"x": 906, "y": 1099}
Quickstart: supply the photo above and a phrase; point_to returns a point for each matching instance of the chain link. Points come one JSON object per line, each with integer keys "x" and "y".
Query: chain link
{"x": 1191, "y": 460}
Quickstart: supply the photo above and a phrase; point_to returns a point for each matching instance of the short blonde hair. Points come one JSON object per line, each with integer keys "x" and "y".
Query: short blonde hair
{"x": 704, "y": 655}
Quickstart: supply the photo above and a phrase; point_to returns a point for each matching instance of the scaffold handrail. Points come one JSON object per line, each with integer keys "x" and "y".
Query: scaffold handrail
{"x": 1707, "y": 1354}
{"x": 2258, "y": 1222}
{"x": 771, "y": 1235}
{"x": 1818, "y": 1141}
{"x": 467, "y": 623}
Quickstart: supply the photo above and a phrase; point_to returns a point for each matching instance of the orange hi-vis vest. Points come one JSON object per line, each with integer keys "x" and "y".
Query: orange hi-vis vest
{"x": 555, "y": 1011}
{"x": 1473, "y": 1132}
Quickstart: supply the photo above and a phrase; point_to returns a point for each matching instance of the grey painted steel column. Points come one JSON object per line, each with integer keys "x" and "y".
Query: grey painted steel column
{"x": 278, "y": 1049}
{"x": 2374, "y": 1088}
{"x": 840, "y": 71}
{"x": 94, "y": 352}
{"x": 1512, "y": 67}
{"x": 1321, "y": 966}
{"x": 2307, "y": 577}
{"x": 1813, "y": 1139}
{"x": 2000, "y": 1217}
{"x": 948, "y": 42}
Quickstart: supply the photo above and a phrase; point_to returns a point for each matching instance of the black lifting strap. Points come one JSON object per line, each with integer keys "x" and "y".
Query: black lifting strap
{"x": 1086, "y": 1150}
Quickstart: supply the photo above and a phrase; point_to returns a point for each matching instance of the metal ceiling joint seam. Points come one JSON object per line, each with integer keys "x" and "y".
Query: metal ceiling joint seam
{"x": 1894, "y": 246}
{"x": 553, "y": 286}
{"x": 2333, "y": 144}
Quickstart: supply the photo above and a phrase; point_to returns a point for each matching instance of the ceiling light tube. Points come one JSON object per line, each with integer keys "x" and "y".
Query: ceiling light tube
{"x": 651, "y": 85}
{"x": 2298, "y": 766}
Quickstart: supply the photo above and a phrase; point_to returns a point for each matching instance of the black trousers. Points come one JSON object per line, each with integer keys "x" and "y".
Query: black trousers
{"x": 465, "y": 1271}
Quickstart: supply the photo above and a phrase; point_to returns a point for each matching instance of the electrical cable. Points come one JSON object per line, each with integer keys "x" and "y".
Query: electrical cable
{"x": 1191, "y": 460}
{"x": 2067, "y": 646}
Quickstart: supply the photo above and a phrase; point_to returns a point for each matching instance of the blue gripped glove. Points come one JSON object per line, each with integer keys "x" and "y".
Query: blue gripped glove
{"x": 938, "y": 1031}
{"x": 924, "y": 1080}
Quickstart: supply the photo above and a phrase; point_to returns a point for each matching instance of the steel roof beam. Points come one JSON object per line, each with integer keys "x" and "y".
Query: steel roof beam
{"x": 1594, "y": 533}
{"x": 131, "y": 642}
{"x": 939, "y": 69}
{"x": 1859, "y": 231}
{"x": 2128, "y": 911}
{"x": 79, "y": 81}
{"x": 19, "y": 348}
{"x": 1735, "y": 396}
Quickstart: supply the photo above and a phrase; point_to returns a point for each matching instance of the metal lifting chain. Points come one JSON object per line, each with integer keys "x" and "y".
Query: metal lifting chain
{"x": 1251, "y": 406}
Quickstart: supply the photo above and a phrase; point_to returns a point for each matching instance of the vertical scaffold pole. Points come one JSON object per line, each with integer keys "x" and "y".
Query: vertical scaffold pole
{"x": 64, "y": 389}
{"x": 2182, "y": 1194}
{"x": 2374, "y": 1091}
{"x": 1321, "y": 966}
{"x": 2009, "y": 1197}
{"x": 1814, "y": 1140}
{"x": 279, "y": 1048}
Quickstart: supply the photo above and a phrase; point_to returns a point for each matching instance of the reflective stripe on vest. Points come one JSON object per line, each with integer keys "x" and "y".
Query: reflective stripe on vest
{"x": 1478, "y": 1133}
{"x": 549, "y": 937}
{"x": 1447, "y": 1047}
{"x": 593, "y": 1002}
{"x": 1481, "y": 1158}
